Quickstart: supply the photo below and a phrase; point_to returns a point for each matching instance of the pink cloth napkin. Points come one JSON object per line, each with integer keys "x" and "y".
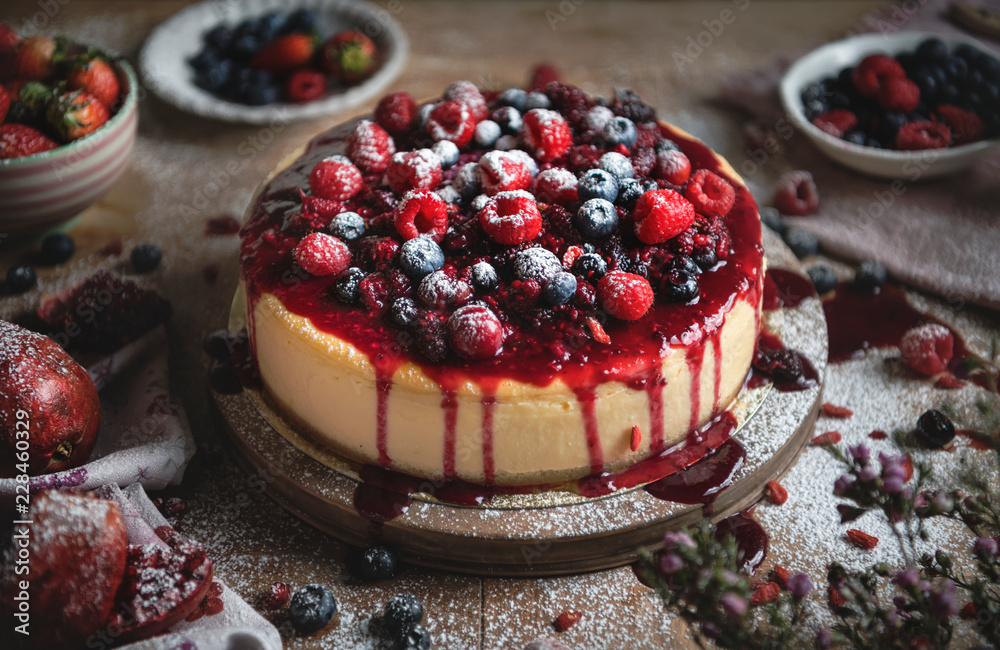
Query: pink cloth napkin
{"x": 941, "y": 235}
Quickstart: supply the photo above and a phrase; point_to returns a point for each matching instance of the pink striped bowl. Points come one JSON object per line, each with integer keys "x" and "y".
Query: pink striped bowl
{"x": 41, "y": 192}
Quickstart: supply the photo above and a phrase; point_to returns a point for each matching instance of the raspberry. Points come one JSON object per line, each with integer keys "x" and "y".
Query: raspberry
{"x": 710, "y": 193}
{"x": 335, "y": 178}
{"x": 370, "y": 147}
{"x": 625, "y": 295}
{"x": 378, "y": 253}
{"x": 374, "y": 293}
{"x": 928, "y": 348}
{"x": 627, "y": 104}
{"x": 923, "y": 135}
{"x": 874, "y": 69}
{"x": 441, "y": 289}
{"x": 499, "y": 172}
{"x": 546, "y": 133}
{"x": 475, "y": 332}
{"x": 898, "y": 94}
{"x": 467, "y": 93}
{"x": 672, "y": 166}
{"x": 556, "y": 186}
{"x": 421, "y": 213}
{"x": 965, "y": 127}
{"x": 452, "y": 121}
{"x": 660, "y": 215}
{"x": 395, "y": 112}
{"x": 511, "y": 218}
{"x": 322, "y": 254}
{"x": 796, "y": 194}
{"x": 862, "y": 540}
{"x": 583, "y": 157}
{"x": 414, "y": 170}
{"x": 836, "y": 122}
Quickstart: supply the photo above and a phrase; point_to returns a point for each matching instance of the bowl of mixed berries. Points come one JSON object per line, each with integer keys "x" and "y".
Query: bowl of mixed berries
{"x": 266, "y": 61}
{"x": 908, "y": 105}
{"x": 68, "y": 116}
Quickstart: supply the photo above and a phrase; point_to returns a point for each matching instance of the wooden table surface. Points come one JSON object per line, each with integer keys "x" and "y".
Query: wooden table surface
{"x": 597, "y": 45}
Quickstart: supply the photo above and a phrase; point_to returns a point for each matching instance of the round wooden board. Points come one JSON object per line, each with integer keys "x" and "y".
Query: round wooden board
{"x": 548, "y": 533}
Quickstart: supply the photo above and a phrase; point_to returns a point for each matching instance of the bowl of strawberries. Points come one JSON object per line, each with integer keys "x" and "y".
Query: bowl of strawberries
{"x": 68, "y": 116}
{"x": 904, "y": 105}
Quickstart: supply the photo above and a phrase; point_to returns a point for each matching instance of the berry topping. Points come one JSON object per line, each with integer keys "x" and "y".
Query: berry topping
{"x": 661, "y": 215}
{"x": 556, "y": 185}
{"x": 617, "y": 165}
{"x": 347, "y": 226}
{"x": 401, "y": 612}
{"x": 501, "y": 171}
{"x": 965, "y": 126}
{"x": 484, "y": 277}
{"x": 335, "y": 178}
{"x": 486, "y": 134}
{"x": 452, "y": 121}
{"x": 467, "y": 93}
{"x": 672, "y": 166}
{"x": 935, "y": 429}
{"x": 511, "y": 218}
{"x": 448, "y": 152}
{"x": 421, "y": 213}
{"x": 836, "y": 122}
{"x": 796, "y": 194}
{"x": 370, "y": 147}
{"x": 928, "y": 348}
{"x": 620, "y": 130}
{"x": 916, "y": 136}
{"x": 145, "y": 258}
{"x": 441, "y": 290}
{"x": 537, "y": 264}
{"x": 873, "y": 70}
{"x": 710, "y": 193}
{"x": 596, "y": 219}
{"x": 348, "y": 287}
{"x": 590, "y": 266}
{"x": 546, "y": 133}
{"x": 396, "y": 112}
{"x": 625, "y": 295}
{"x": 559, "y": 289}
{"x": 598, "y": 184}
{"x": 898, "y": 94}
{"x": 321, "y": 254}
{"x": 414, "y": 170}
{"x": 311, "y": 608}
{"x": 475, "y": 332}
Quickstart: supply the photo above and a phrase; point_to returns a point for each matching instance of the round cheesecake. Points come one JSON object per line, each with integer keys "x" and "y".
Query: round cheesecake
{"x": 518, "y": 310}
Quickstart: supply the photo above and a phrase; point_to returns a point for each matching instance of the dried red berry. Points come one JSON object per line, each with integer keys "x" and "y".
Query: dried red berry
{"x": 597, "y": 331}
{"x": 796, "y": 194}
{"x": 834, "y": 411}
{"x": 878, "y": 435}
{"x": 710, "y": 193}
{"x": 174, "y": 506}
{"x": 776, "y": 493}
{"x": 862, "y": 540}
{"x": 636, "y": 438}
{"x": 836, "y": 598}
{"x": 781, "y": 575}
{"x": 968, "y": 610}
{"x": 567, "y": 620}
{"x": 949, "y": 381}
{"x": 828, "y": 438}
{"x": 765, "y": 594}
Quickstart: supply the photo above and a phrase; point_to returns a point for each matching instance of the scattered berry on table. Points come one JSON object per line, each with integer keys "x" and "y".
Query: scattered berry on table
{"x": 145, "y": 258}
{"x": 802, "y": 242}
{"x": 796, "y": 194}
{"x": 277, "y": 596}
{"x": 413, "y": 637}
{"x": 57, "y": 248}
{"x": 20, "y": 278}
{"x": 311, "y": 608}
{"x": 402, "y": 611}
{"x": 823, "y": 278}
{"x": 928, "y": 348}
{"x": 377, "y": 563}
{"x": 870, "y": 276}
{"x": 935, "y": 429}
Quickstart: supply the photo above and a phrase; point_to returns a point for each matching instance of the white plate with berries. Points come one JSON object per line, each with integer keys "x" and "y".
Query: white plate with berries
{"x": 273, "y": 61}
{"x": 906, "y": 105}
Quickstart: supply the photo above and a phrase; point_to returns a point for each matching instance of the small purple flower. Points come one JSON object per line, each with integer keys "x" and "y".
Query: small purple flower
{"x": 842, "y": 485}
{"x": 674, "y": 540}
{"x": 907, "y": 579}
{"x": 900, "y": 602}
{"x": 892, "y": 485}
{"x": 868, "y": 473}
{"x": 728, "y": 578}
{"x": 893, "y": 466}
{"x": 942, "y": 502}
{"x": 860, "y": 452}
{"x": 824, "y": 638}
{"x": 709, "y": 629}
{"x": 985, "y": 548}
{"x": 943, "y": 603}
{"x": 799, "y": 585}
{"x": 671, "y": 564}
{"x": 732, "y": 604}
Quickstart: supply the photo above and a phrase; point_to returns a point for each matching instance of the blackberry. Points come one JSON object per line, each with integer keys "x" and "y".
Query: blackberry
{"x": 628, "y": 104}
{"x": 935, "y": 429}
{"x": 679, "y": 286}
{"x": 802, "y": 243}
{"x": 430, "y": 333}
{"x": 870, "y": 276}
{"x": 20, "y": 278}
{"x": 145, "y": 258}
{"x": 403, "y": 312}
{"x": 311, "y": 608}
{"x": 348, "y": 287}
{"x": 401, "y": 612}
{"x": 823, "y": 278}
{"x": 590, "y": 266}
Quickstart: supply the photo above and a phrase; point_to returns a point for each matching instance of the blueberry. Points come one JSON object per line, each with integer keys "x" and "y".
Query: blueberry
{"x": 935, "y": 429}
{"x": 509, "y": 119}
{"x": 420, "y": 257}
{"x": 771, "y": 218}
{"x": 20, "y": 278}
{"x": 215, "y": 78}
{"x": 620, "y": 130}
{"x": 956, "y": 68}
{"x": 514, "y": 97}
{"x": 57, "y": 248}
{"x": 679, "y": 286}
{"x": 686, "y": 264}
{"x": 479, "y": 202}
{"x": 204, "y": 59}
{"x": 855, "y": 137}
{"x": 377, "y": 563}
{"x": 840, "y": 100}
{"x": 270, "y": 24}
{"x": 311, "y": 608}
{"x": 402, "y": 612}
{"x": 467, "y": 182}
{"x": 812, "y": 92}
{"x": 348, "y": 286}
{"x": 870, "y": 276}
{"x": 347, "y": 226}
{"x": 802, "y": 243}
{"x": 448, "y": 152}
{"x": 487, "y": 133}
{"x": 260, "y": 94}
{"x": 989, "y": 66}
{"x": 300, "y": 20}
{"x": 629, "y": 191}
{"x": 539, "y": 264}
{"x": 597, "y": 184}
{"x": 413, "y": 637}
{"x": 145, "y": 258}
{"x": 590, "y": 266}
{"x": 219, "y": 37}
{"x": 559, "y": 289}
{"x": 403, "y": 312}
{"x": 449, "y": 194}
{"x": 244, "y": 45}
{"x": 596, "y": 218}
{"x": 823, "y": 278}
{"x": 484, "y": 277}
{"x": 617, "y": 165}
{"x": 932, "y": 50}
{"x": 506, "y": 143}
{"x": 536, "y": 99}
{"x": 873, "y": 143}
{"x": 967, "y": 53}
{"x": 888, "y": 125}
{"x": 705, "y": 257}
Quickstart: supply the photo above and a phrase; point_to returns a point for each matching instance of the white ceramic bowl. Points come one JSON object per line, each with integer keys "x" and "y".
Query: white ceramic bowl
{"x": 46, "y": 190}
{"x": 164, "y": 66}
{"x": 827, "y": 61}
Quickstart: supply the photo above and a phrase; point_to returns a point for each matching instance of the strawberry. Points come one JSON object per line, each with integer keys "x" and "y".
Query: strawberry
{"x": 349, "y": 55}
{"x": 4, "y": 103}
{"x": 9, "y": 41}
{"x": 17, "y": 140}
{"x": 285, "y": 53}
{"x": 98, "y": 78}
{"x": 965, "y": 126}
{"x": 37, "y": 57}
{"x": 76, "y": 114}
